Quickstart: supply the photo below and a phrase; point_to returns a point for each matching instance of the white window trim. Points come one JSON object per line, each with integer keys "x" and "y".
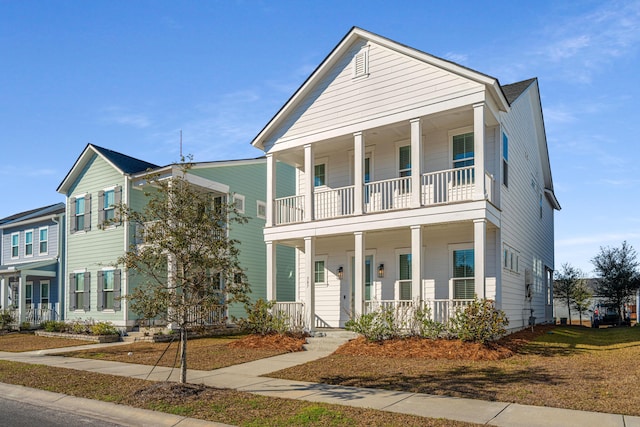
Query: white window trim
{"x": 368, "y": 152}
{"x": 398, "y": 144}
{"x": 28, "y": 284}
{"x": 364, "y": 51}
{"x": 112, "y": 188}
{"x": 75, "y": 291}
{"x": 458, "y": 247}
{"x": 260, "y": 203}
{"x": 17, "y": 245}
{"x": 46, "y": 227}
{"x": 396, "y": 285}
{"x": 321, "y": 161}
{"x": 455, "y": 132}
{"x": 512, "y": 254}
{"x": 73, "y": 214}
{"x": 25, "y": 243}
{"x": 323, "y": 258}
{"x": 101, "y": 288}
{"x": 48, "y": 283}
{"x": 237, "y": 197}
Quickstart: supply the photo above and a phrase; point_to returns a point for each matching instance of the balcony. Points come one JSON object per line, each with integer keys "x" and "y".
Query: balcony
{"x": 437, "y": 188}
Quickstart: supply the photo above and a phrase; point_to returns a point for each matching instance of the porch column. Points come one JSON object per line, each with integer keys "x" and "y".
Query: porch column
{"x": 310, "y": 288}
{"x": 22, "y": 306}
{"x": 271, "y": 188}
{"x": 271, "y": 271}
{"x": 358, "y": 172}
{"x": 478, "y": 150}
{"x": 3, "y": 293}
{"x": 308, "y": 182}
{"x": 479, "y": 251}
{"x": 416, "y": 262}
{"x": 359, "y": 273}
{"x": 416, "y": 163}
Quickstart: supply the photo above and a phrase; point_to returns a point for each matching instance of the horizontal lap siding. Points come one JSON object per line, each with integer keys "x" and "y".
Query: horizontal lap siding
{"x": 95, "y": 248}
{"x": 522, "y": 228}
{"x": 52, "y": 245}
{"x": 395, "y": 83}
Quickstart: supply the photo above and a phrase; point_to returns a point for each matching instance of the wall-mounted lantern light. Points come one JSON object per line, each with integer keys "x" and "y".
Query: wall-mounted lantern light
{"x": 340, "y": 272}
{"x": 381, "y": 271}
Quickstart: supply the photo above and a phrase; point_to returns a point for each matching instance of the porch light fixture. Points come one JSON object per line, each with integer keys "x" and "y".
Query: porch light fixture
{"x": 340, "y": 272}
{"x": 381, "y": 271}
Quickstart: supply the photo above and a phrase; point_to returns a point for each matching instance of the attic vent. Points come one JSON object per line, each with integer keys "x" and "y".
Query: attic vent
{"x": 361, "y": 63}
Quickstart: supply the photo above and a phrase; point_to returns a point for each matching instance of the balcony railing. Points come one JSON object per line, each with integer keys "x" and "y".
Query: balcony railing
{"x": 442, "y": 310}
{"x": 437, "y": 188}
{"x": 292, "y": 312}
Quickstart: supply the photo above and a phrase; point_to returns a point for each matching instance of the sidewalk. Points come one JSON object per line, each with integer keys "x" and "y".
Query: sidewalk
{"x": 246, "y": 377}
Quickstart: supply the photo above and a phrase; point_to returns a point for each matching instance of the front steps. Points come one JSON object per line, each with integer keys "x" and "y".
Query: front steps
{"x": 328, "y": 340}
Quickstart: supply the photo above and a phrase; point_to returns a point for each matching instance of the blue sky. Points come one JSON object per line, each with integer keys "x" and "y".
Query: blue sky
{"x": 129, "y": 75}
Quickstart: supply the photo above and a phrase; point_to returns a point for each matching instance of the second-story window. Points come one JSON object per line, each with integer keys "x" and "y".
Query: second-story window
{"x": 28, "y": 243}
{"x": 15, "y": 241}
{"x": 462, "y": 146}
{"x": 79, "y": 214}
{"x": 109, "y": 205}
{"x": 44, "y": 240}
{"x": 505, "y": 160}
{"x": 319, "y": 175}
{"x": 404, "y": 161}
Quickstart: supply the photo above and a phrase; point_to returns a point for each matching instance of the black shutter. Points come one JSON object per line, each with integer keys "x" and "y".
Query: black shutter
{"x": 116, "y": 289}
{"x": 87, "y": 212}
{"x": 87, "y": 291}
{"x": 72, "y": 291}
{"x": 100, "y": 290}
{"x": 72, "y": 215}
{"x": 100, "y": 209}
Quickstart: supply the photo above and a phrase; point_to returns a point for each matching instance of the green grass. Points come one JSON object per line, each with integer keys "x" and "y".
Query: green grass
{"x": 580, "y": 338}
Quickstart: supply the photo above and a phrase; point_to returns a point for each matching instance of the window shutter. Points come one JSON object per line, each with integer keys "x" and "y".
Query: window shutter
{"x": 72, "y": 215}
{"x": 87, "y": 212}
{"x": 87, "y": 291}
{"x": 116, "y": 289}
{"x": 100, "y": 290}
{"x": 117, "y": 199}
{"x": 72, "y": 292}
{"x": 100, "y": 209}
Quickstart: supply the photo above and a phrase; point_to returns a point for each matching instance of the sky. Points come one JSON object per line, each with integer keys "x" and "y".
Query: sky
{"x": 129, "y": 75}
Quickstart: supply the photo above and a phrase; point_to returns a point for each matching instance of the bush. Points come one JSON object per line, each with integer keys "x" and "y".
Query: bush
{"x": 480, "y": 321}
{"x": 78, "y": 326}
{"x": 53, "y": 326}
{"x": 376, "y": 326}
{"x": 424, "y": 326}
{"x": 25, "y": 326}
{"x": 6, "y": 319}
{"x": 104, "y": 328}
{"x": 261, "y": 320}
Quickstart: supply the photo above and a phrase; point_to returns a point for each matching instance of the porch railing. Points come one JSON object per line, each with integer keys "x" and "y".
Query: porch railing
{"x": 36, "y": 315}
{"x": 388, "y": 194}
{"x": 334, "y": 202}
{"x": 444, "y": 309}
{"x": 213, "y": 317}
{"x": 448, "y": 186}
{"x": 292, "y": 312}
{"x": 289, "y": 209}
{"x": 441, "y": 309}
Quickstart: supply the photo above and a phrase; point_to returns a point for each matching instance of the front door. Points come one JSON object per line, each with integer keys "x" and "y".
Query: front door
{"x": 368, "y": 275}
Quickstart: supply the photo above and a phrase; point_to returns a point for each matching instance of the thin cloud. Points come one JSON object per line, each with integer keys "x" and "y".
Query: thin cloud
{"x": 118, "y": 116}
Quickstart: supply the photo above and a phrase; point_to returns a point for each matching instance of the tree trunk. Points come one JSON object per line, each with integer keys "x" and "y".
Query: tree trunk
{"x": 569, "y": 309}
{"x": 183, "y": 355}
{"x": 580, "y": 318}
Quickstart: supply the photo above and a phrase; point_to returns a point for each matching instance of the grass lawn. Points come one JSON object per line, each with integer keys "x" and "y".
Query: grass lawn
{"x": 202, "y": 353}
{"x": 21, "y": 341}
{"x": 570, "y": 367}
{"x": 225, "y": 406}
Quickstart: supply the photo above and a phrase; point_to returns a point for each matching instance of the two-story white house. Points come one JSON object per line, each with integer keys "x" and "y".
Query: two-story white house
{"x": 418, "y": 181}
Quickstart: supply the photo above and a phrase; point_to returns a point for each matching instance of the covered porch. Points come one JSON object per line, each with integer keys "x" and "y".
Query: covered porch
{"x": 442, "y": 267}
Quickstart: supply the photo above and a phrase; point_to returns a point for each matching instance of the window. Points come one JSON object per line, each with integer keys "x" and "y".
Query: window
{"x": 367, "y": 169}
{"x": 463, "y": 274}
{"x": 107, "y": 289}
{"x": 319, "y": 275}
{"x": 238, "y": 202}
{"x": 109, "y": 205}
{"x": 462, "y": 147}
{"x": 79, "y": 286}
{"x": 44, "y": 294}
{"x": 319, "y": 175}
{"x": 404, "y": 161}
{"x": 44, "y": 240}
{"x": 107, "y": 201}
{"x": 261, "y": 209}
{"x": 511, "y": 259}
{"x": 505, "y": 160}
{"x": 79, "y": 291}
{"x": 15, "y": 241}
{"x": 79, "y": 208}
{"x": 28, "y": 243}
{"x": 28, "y": 295}
{"x": 404, "y": 277}
{"x": 361, "y": 63}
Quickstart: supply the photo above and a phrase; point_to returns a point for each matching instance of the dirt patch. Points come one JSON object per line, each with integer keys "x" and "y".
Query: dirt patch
{"x": 282, "y": 343}
{"x": 27, "y": 341}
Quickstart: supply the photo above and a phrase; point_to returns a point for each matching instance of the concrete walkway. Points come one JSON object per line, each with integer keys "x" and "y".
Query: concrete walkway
{"x": 247, "y": 377}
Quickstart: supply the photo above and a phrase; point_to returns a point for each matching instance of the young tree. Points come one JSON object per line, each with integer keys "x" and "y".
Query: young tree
{"x": 582, "y": 297}
{"x": 619, "y": 278}
{"x": 565, "y": 283}
{"x": 187, "y": 265}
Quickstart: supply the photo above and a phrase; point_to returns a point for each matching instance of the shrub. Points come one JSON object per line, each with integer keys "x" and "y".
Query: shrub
{"x": 261, "y": 319}
{"x": 378, "y": 325}
{"x": 6, "y": 319}
{"x": 480, "y": 321}
{"x": 25, "y": 326}
{"x": 78, "y": 326}
{"x": 104, "y": 328}
{"x": 422, "y": 324}
{"x": 53, "y": 326}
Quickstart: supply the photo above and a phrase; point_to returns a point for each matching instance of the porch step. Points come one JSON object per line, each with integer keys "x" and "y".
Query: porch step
{"x": 328, "y": 340}
{"x": 134, "y": 336}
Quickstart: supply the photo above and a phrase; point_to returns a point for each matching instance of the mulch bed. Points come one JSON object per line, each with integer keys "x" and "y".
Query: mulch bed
{"x": 270, "y": 342}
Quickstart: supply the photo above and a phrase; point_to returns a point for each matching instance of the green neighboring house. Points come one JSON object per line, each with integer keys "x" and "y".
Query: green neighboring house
{"x": 102, "y": 178}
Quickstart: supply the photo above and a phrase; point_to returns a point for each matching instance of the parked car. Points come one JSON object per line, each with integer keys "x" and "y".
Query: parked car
{"x": 607, "y": 315}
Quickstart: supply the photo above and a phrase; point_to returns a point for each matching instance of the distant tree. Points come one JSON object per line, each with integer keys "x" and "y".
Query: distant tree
{"x": 185, "y": 256}
{"x": 619, "y": 278}
{"x": 564, "y": 284}
{"x": 582, "y": 297}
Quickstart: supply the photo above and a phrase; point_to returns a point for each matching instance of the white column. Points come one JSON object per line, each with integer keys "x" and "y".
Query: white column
{"x": 308, "y": 183}
{"x": 3, "y": 294}
{"x": 359, "y": 273}
{"x": 416, "y": 262}
{"x": 479, "y": 255}
{"x": 416, "y": 163}
{"x": 478, "y": 150}
{"x": 271, "y": 188}
{"x": 358, "y": 172}
{"x": 271, "y": 271}
{"x": 310, "y": 288}
{"x": 21, "y": 298}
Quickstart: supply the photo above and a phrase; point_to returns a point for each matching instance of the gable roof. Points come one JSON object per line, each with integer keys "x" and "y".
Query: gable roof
{"x": 126, "y": 165}
{"x": 33, "y": 214}
{"x": 347, "y": 41}
{"x": 514, "y": 90}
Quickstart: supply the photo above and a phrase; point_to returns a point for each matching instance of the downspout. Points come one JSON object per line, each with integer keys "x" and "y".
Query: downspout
{"x": 62, "y": 248}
